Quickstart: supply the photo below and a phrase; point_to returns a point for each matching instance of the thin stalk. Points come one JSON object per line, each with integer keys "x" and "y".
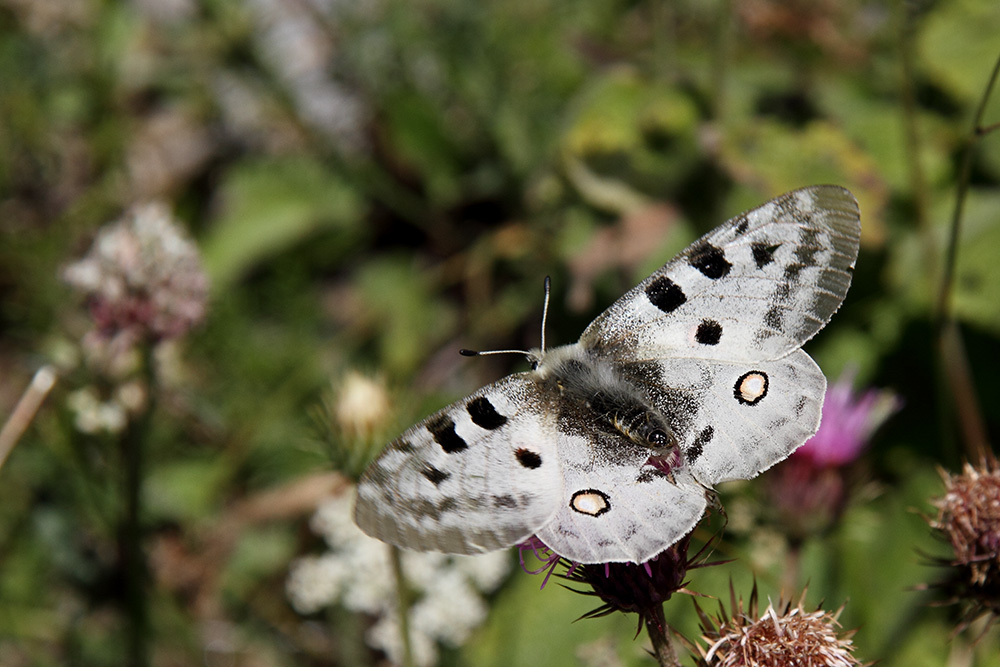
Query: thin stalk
{"x": 951, "y": 255}
{"x": 950, "y": 349}
{"x": 134, "y": 444}
{"x": 403, "y": 604}
{"x": 793, "y": 565}
{"x": 659, "y": 634}
{"x": 25, "y": 410}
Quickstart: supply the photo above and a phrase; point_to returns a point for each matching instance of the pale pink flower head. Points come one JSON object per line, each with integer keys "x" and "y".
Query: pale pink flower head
{"x": 849, "y": 420}
{"x": 142, "y": 277}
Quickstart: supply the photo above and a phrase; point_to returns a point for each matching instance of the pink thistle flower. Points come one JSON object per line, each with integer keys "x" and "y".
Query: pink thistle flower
{"x": 849, "y": 420}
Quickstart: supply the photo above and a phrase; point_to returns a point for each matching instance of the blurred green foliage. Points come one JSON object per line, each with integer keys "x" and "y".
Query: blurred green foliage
{"x": 376, "y": 184}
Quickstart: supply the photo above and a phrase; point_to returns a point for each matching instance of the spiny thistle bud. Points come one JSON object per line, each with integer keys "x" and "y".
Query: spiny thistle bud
{"x": 969, "y": 519}
{"x": 142, "y": 277}
{"x": 626, "y": 587}
{"x": 632, "y": 588}
{"x": 778, "y": 637}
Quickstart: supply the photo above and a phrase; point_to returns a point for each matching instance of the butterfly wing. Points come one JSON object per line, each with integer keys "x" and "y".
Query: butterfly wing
{"x": 755, "y": 288}
{"x": 482, "y": 474}
{"x": 615, "y": 507}
{"x": 734, "y": 419}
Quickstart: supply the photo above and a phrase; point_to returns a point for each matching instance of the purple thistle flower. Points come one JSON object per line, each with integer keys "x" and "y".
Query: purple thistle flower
{"x": 547, "y": 558}
{"x": 640, "y": 588}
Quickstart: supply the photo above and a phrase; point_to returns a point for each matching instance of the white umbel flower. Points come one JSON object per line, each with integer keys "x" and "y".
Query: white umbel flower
{"x": 357, "y": 573}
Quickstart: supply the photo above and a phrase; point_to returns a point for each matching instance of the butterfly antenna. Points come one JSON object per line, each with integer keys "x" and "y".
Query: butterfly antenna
{"x": 545, "y": 309}
{"x": 485, "y": 353}
{"x": 545, "y": 316}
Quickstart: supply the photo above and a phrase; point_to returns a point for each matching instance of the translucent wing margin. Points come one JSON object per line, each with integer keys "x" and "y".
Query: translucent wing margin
{"x": 755, "y": 288}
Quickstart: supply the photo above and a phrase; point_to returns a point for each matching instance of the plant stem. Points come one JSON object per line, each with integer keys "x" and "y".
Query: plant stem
{"x": 133, "y": 555}
{"x": 25, "y": 410}
{"x": 659, "y": 634}
{"x": 403, "y": 602}
{"x": 956, "y": 370}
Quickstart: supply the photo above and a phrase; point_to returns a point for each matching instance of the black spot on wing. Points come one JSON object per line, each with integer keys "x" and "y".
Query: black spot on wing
{"x": 433, "y": 475}
{"x": 443, "y": 430}
{"x": 665, "y": 294}
{"x": 793, "y": 270}
{"x": 772, "y": 318}
{"x": 809, "y": 246}
{"x": 763, "y": 253}
{"x": 709, "y": 332}
{"x": 710, "y": 261}
{"x": 742, "y": 227}
{"x": 800, "y": 406}
{"x": 484, "y": 415}
{"x": 506, "y": 501}
{"x": 698, "y": 446}
{"x": 528, "y": 458}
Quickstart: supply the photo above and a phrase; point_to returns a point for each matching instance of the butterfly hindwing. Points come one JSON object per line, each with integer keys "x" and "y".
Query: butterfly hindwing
{"x": 480, "y": 475}
{"x": 734, "y": 420}
{"x": 614, "y": 507}
{"x": 755, "y": 288}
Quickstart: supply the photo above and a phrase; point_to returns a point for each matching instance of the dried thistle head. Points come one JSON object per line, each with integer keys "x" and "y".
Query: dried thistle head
{"x": 968, "y": 517}
{"x": 780, "y": 636}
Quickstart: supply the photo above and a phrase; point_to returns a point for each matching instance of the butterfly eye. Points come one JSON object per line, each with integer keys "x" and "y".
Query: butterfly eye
{"x": 659, "y": 439}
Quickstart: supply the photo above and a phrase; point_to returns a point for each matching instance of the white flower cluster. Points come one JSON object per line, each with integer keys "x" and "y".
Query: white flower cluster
{"x": 358, "y": 574}
{"x": 142, "y": 276}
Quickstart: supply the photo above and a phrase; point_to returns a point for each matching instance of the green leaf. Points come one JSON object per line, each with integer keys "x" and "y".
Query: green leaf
{"x": 773, "y": 158}
{"x": 186, "y": 490}
{"x": 958, "y": 46}
{"x": 528, "y": 626}
{"x": 269, "y": 206}
{"x": 399, "y": 303}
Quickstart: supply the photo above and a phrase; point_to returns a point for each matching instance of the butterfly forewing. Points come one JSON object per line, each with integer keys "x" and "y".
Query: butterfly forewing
{"x": 755, "y": 288}
{"x": 480, "y": 475}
